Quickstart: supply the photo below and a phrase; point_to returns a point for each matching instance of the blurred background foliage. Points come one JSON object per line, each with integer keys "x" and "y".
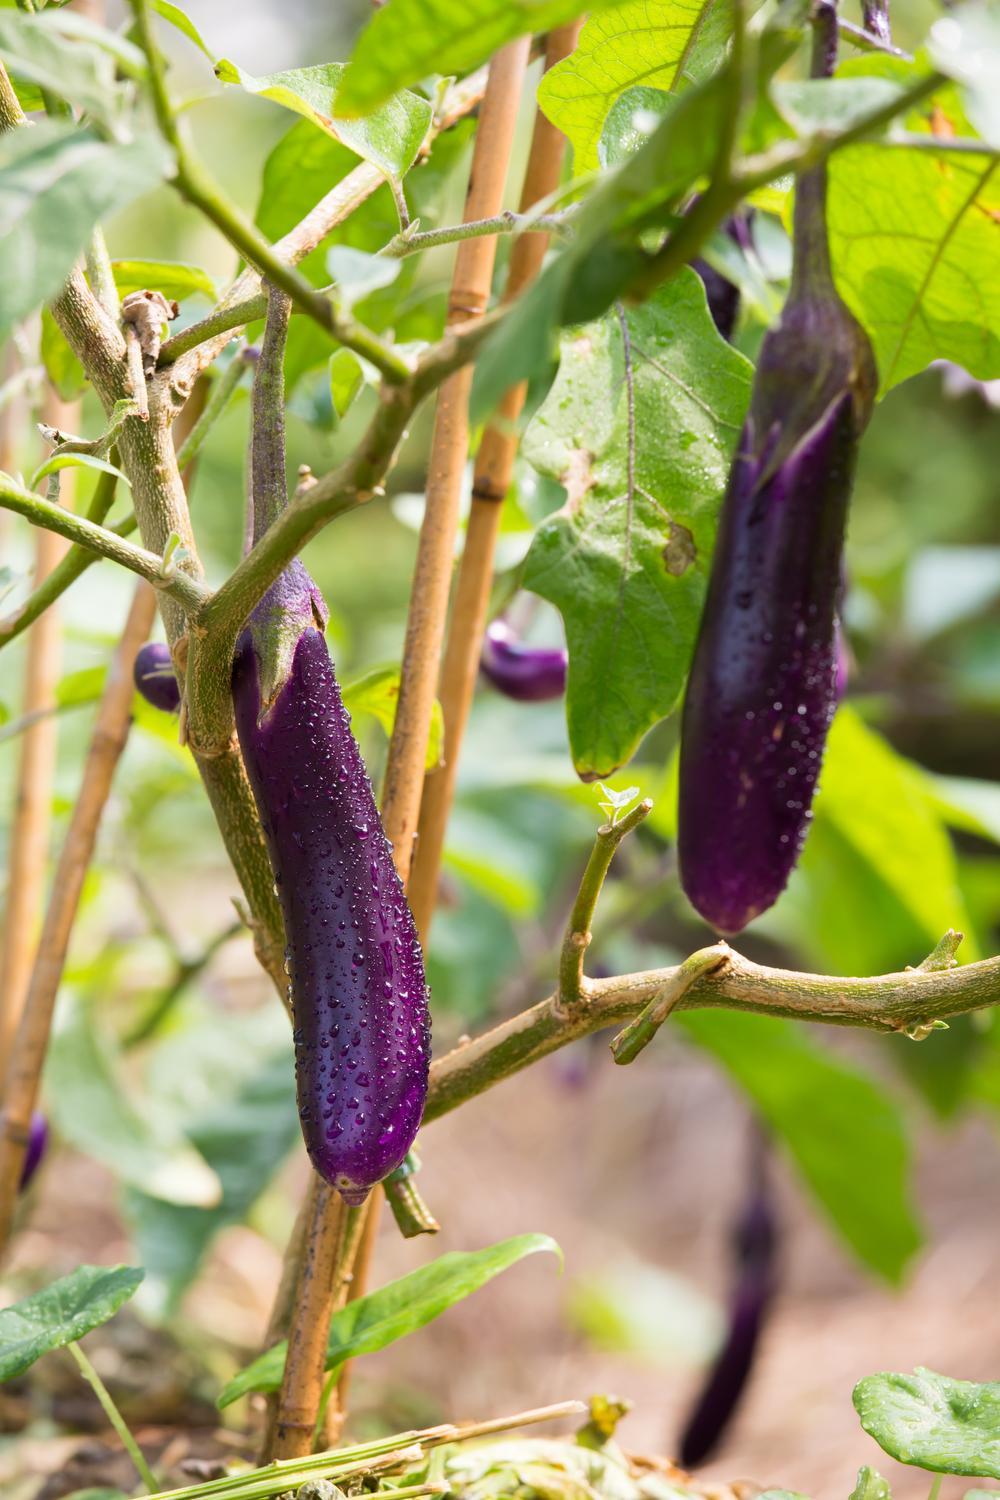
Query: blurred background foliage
{"x": 904, "y": 843}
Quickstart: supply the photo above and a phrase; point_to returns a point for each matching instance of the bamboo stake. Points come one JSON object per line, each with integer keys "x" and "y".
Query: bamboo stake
{"x": 301, "y": 1391}
{"x": 29, "y": 841}
{"x": 491, "y": 481}
{"x": 107, "y": 743}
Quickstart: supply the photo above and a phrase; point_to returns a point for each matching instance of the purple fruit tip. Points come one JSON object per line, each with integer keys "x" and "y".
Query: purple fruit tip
{"x": 529, "y": 674}
{"x": 155, "y": 678}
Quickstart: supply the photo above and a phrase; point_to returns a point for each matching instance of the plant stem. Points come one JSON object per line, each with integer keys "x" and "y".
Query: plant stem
{"x": 188, "y": 592}
{"x": 875, "y": 15}
{"x": 492, "y": 475}
{"x": 28, "y": 1052}
{"x": 114, "y": 1416}
{"x": 868, "y": 39}
{"x": 194, "y": 183}
{"x": 577, "y": 939}
{"x": 336, "y": 1410}
{"x": 639, "y": 1033}
{"x": 29, "y": 837}
{"x": 242, "y": 304}
{"x": 187, "y": 971}
{"x": 508, "y": 222}
{"x": 11, "y": 113}
{"x": 302, "y": 1385}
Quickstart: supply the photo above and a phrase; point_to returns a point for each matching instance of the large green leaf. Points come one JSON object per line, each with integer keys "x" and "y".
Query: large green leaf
{"x": 56, "y": 182}
{"x": 90, "y": 1106}
{"x": 243, "y": 1136}
{"x": 643, "y": 447}
{"x": 62, "y": 1313}
{"x": 842, "y": 1130}
{"x": 948, "y": 1426}
{"x": 409, "y": 39}
{"x": 885, "y": 809}
{"x": 175, "y": 279}
{"x": 664, "y": 44}
{"x": 390, "y": 138}
{"x": 33, "y": 49}
{"x": 372, "y": 1322}
{"x": 914, "y": 237}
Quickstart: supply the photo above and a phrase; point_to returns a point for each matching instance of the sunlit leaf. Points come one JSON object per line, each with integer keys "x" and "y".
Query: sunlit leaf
{"x": 174, "y": 279}
{"x": 372, "y": 1322}
{"x": 377, "y": 694}
{"x": 183, "y": 22}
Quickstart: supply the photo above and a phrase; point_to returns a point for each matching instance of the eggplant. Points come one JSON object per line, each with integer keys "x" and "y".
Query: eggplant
{"x": 531, "y": 674}
{"x": 357, "y": 988}
{"x": 155, "y": 678}
{"x": 763, "y": 684}
{"x": 38, "y": 1140}
{"x": 755, "y": 1245}
{"x": 723, "y": 295}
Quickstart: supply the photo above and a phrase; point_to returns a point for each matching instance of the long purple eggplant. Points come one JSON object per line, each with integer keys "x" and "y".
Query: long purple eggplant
{"x": 763, "y": 684}
{"x": 755, "y": 1245}
{"x": 38, "y": 1140}
{"x": 724, "y": 295}
{"x": 357, "y": 986}
{"x": 154, "y": 676}
{"x": 531, "y": 674}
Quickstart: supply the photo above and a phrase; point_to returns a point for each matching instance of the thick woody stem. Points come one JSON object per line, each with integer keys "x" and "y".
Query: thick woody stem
{"x": 491, "y": 480}
{"x": 31, "y": 1041}
{"x": 302, "y": 1385}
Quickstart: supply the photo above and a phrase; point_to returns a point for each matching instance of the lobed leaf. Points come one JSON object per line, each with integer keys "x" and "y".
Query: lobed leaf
{"x": 644, "y": 465}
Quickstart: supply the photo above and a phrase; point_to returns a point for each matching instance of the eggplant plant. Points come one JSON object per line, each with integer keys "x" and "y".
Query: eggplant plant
{"x": 666, "y": 424}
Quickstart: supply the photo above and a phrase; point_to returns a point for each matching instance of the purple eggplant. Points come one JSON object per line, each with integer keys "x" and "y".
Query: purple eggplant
{"x": 755, "y": 1245}
{"x": 530, "y": 674}
{"x": 155, "y": 677}
{"x": 357, "y": 986}
{"x": 763, "y": 684}
{"x": 38, "y": 1140}
{"x": 723, "y": 295}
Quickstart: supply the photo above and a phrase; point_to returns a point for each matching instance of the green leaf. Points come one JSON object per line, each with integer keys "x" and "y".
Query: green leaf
{"x": 83, "y": 74}
{"x": 842, "y": 1130}
{"x": 407, "y": 40}
{"x": 389, "y": 139}
{"x": 61, "y": 364}
{"x": 56, "y": 182}
{"x": 183, "y": 22}
{"x": 584, "y": 279}
{"x": 357, "y": 274}
{"x": 94, "y": 1113}
{"x": 62, "y": 1313}
{"x": 377, "y": 694}
{"x": 882, "y": 805}
{"x": 175, "y": 279}
{"x": 626, "y": 559}
{"x": 74, "y": 461}
{"x": 346, "y": 380}
{"x": 663, "y": 44}
{"x": 240, "y": 1115}
{"x": 870, "y": 1486}
{"x": 913, "y": 237}
{"x": 373, "y": 1322}
{"x": 948, "y": 1426}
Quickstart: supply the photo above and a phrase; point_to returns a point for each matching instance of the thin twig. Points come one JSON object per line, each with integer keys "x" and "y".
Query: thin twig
{"x": 491, "y": 480}
{"x": 631, "y": 1040}
{"x": 302, "y": 1386}
{"x": 114, "y": 1416}
{"x": 577, "y": 940}
{"x": 507, "y": 222}
{"x": 30, "y": 1044}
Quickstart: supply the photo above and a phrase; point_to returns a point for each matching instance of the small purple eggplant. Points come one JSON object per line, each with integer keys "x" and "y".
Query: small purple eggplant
{"x": 358, "y": 992}
{"x": 723, "y": 295}
{"x": 762, "y": 690}
{"x": 531, "y": 674}
{"x": 755, "y": 1245}
{"x": 155, "y": 677}
{"x": 38, "y": 1140}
